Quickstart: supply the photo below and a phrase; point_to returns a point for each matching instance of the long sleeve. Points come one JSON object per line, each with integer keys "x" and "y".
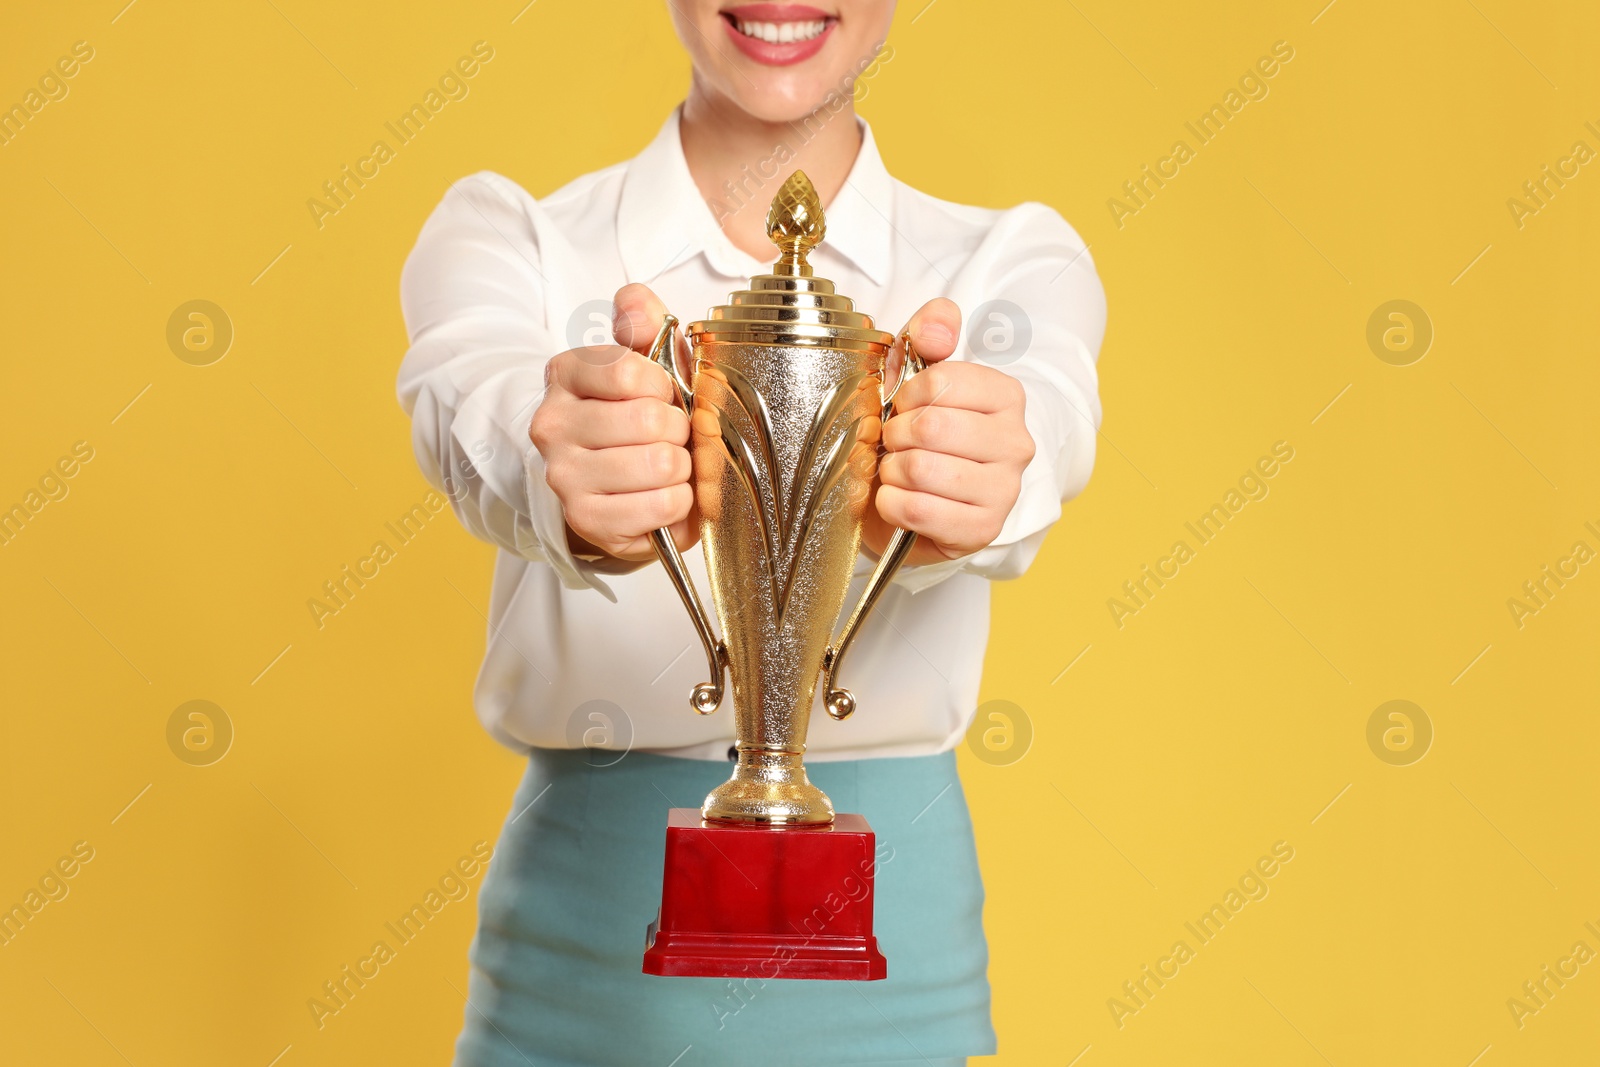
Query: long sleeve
{"x": 1033, "y": 283}
{"x": 472, "y": 293}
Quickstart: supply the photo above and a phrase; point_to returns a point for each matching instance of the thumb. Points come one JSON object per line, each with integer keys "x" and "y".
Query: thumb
{"x": 935, "y": 329}
{"x": 636, "y": 317}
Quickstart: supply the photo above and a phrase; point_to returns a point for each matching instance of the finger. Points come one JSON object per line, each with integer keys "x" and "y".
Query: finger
{"x": 610, "y": 372}
{"x": 972, "y": 435}
{"x": 955, "y": 526}
{"x": 636, "y": 315}
{"x": 630, "y": 515}
{"x": 947, "y": 477}
{"x": 685, "y": 532}
{"x": 935, "y": 328}
{"x": 969, "y": 386}
{"x": 609, "y": 423}
{"x": 625, "y": 469}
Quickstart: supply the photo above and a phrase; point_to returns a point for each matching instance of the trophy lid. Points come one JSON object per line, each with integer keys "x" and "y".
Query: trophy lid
{"x": 791, "y": 306}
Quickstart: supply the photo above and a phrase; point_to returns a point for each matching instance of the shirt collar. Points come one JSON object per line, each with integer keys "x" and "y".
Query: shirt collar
{"x": 858, "y": 219}
{"x": 662, "y": 219}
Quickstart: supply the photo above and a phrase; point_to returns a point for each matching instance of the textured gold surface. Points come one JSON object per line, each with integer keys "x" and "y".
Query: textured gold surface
{"x": 785, "y": 446}
{"x": 795, "y": 223}
{"x": 786, "y": 411}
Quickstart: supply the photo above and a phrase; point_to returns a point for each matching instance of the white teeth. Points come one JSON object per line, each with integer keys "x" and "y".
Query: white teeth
{"x": 783, "y": 32}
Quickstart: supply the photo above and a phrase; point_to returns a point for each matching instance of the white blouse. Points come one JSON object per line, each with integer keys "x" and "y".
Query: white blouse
{"x": 500, "y": 281}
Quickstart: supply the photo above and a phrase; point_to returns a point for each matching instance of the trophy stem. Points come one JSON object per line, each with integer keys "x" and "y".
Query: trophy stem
{"x": 769, "y": 787}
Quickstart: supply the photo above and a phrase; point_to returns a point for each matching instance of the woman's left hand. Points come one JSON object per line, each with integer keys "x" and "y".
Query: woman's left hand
{"x": 955, "y": 448}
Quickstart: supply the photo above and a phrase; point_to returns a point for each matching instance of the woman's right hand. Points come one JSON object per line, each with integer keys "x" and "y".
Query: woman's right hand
{"x": 613, "y": 439}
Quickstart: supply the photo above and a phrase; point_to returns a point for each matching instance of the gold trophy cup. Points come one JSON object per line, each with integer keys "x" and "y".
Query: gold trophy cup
{"x": 786, "y": 407}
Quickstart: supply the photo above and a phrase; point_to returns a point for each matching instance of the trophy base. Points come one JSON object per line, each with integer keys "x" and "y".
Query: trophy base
{"x": 766, "y": 902}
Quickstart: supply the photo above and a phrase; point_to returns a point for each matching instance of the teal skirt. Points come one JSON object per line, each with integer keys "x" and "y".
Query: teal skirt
{"x": 556, "y": 979}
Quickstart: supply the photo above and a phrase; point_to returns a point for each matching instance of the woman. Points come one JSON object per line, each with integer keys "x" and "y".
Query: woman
{"x": 565, "y": 451}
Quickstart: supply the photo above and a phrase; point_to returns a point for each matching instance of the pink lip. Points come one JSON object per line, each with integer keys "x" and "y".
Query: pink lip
{"x": 777, "y": 55}
{"x": 776, "y": 12}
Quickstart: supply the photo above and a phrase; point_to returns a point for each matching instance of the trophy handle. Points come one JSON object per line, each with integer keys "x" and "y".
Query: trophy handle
{"x": 706, "y": 696}
{"x": 841, "y": 703}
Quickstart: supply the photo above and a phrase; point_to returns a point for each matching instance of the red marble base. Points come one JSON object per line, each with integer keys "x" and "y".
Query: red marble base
{"x": 766, "y": 902}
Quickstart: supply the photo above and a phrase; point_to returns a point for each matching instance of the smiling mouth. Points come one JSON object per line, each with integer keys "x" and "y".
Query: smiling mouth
{"x": 778, "y": 32}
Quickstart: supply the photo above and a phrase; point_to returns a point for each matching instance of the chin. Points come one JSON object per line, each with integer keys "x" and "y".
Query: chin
{"x": 783, "y": 99}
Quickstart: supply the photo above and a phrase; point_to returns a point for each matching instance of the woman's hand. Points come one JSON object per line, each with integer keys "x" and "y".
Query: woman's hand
{"x": 613, "y": 439}
{"x": 955, "y": 449}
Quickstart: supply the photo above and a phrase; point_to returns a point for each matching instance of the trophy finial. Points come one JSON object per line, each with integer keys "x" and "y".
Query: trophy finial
{"x": 795, "y": 224}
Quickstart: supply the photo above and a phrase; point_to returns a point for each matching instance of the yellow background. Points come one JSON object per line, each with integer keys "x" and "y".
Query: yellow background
{"x": 1223, "y": 717}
